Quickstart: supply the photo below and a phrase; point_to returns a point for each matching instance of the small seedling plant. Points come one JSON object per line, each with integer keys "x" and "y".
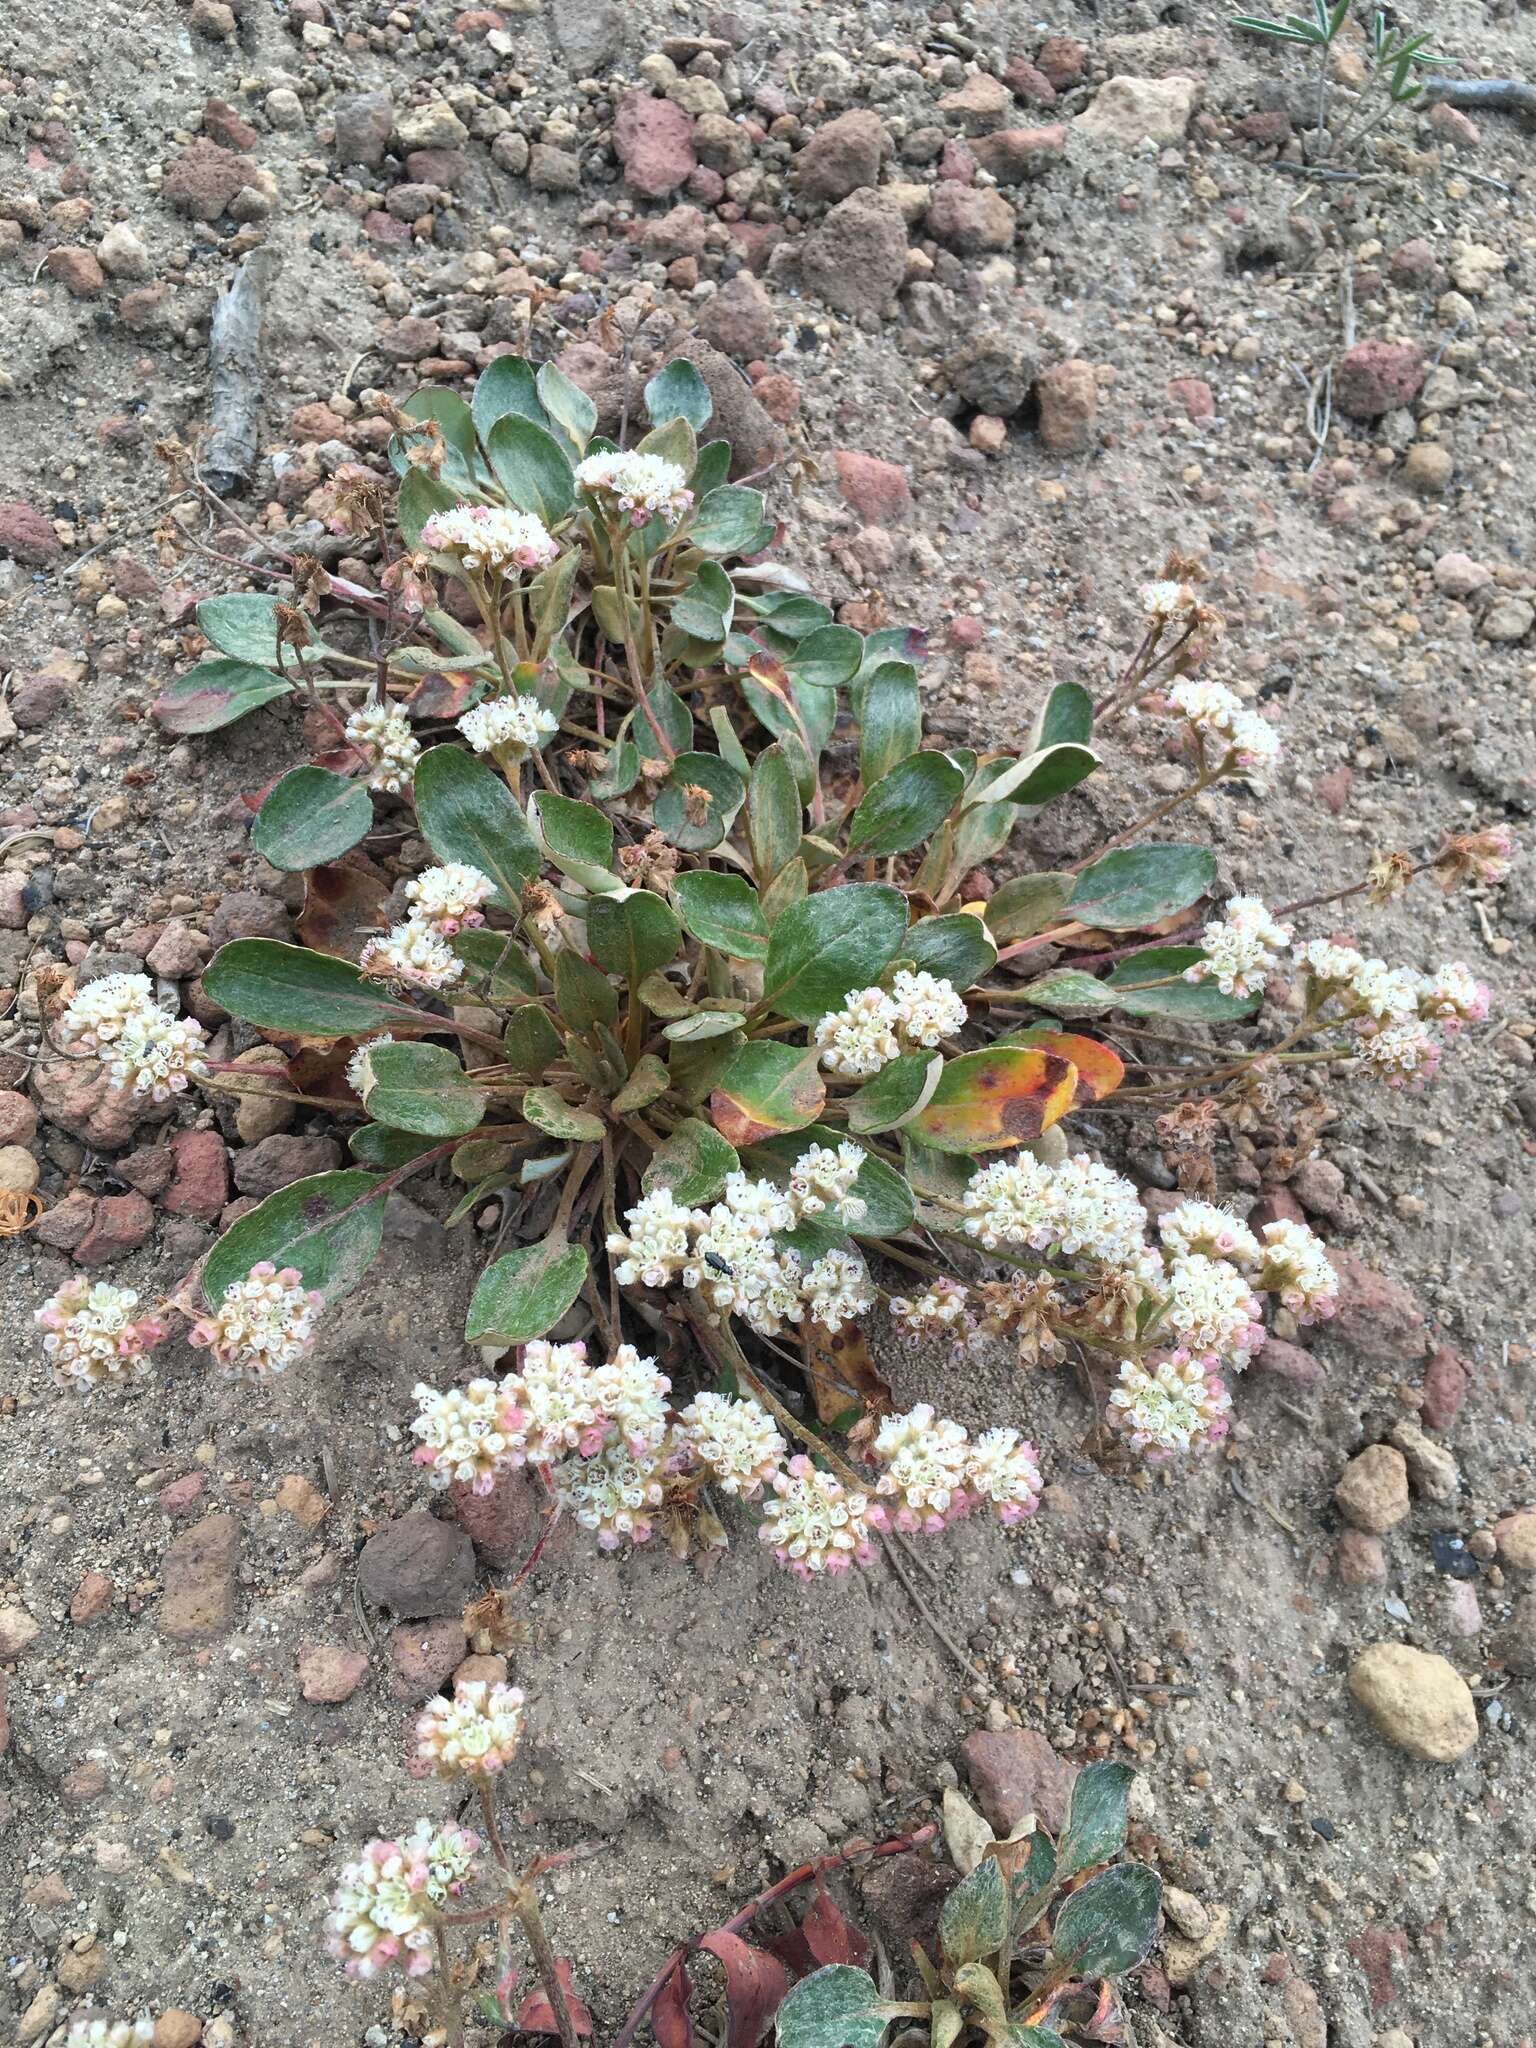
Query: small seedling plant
{"x": 702, "y": 994}
{"x": 1031, "y": 1943}
{"x": 1391, "y": 81}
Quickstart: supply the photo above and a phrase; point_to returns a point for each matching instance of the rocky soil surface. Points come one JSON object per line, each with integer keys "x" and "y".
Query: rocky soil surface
{"x": 1004, "y": 307}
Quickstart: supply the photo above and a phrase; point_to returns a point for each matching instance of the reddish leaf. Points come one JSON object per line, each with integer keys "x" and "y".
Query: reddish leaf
{"x": 828, "y": 1934}
{"x": 823, "y": 1936}
{"x": 321, "y": 1069}
{"x": 537, "y": 2016}
{"x": 669, "y": 2013}
{"x": 1100, "y": 1069}
{"x": 1000, "y": 1096}
{"x": 441, "y": 696}
{"x": 843, "y": 1374}
{"x": 343, "y": 904}
{"x": 755, "y": 1985}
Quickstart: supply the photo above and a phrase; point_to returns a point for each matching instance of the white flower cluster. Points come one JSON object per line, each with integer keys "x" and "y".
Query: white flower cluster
{"x": 449, "y": 898}
{"x": 490, "y": 537}
{"x": 940, "y": 1306}
{"x": 1249, "y": 741}
{"x": 1241, "y": 949}
{"x": 475, "y": 1733}
{"x": 1212, "y": 1309}
{"x": 1205, "y": 1228}
{"x": 514, "y": 725}
{"x": 873, "y": 1027}
{"x": 642, "y": 487}
{"x": 815, "y": 1526}
{"x": 737, "y": 1440}
{"x": 359, "y": 1070}
{"x": 264, "y": 1324}
{"x": 1165, "y": 600}
{"x": 463, "y": 1440}
{"x": 387, "y": 1903}
{"x": 1295, "y": 1269}
{"x": 614, "y": 1495}
{"x": 416, "y": 953}
{"x": 1077, "y": 1208}
{"x": 138, "y": 2033}
{"x": 606, "y": 1432}
{"x": 1400, "y": 1017}
{"x": 384, "y": 734}
{"x": 823, "y": 1179}
{"x": 1002, "y": 1473}
{"x": 1171, "y": 1405}
{"x": 92, "y": 1337}
{"x": 729, "y": 1253}
{"x": 1198, "y": 1293}
{"x": 934, "y": 1472}
{"x": 143, "y": 1048}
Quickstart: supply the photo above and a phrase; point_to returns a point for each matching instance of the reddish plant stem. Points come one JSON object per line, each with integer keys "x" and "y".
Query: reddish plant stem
{"x": 818, "y": 1867}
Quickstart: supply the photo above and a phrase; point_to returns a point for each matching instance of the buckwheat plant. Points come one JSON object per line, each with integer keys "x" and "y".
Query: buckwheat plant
{"x": 401, "y": 1903}
{"x": 645, "y": 921}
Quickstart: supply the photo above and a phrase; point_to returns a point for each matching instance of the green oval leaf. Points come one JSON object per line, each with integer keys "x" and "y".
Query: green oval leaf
{"x": 958, "y": 948}
{"x": 215, "y": 694}
{"x": 1200, "y": 1001}
{"x": 974, "y": 1920}
{"x": 547, "y": 1110}
{"x": 894, "y": 1096}
{"x": 421, "y": 494}
{"x": 532, "y": 468}
{"x": 906, "y": 806}
{"x": 498, "y": 967}
{"x": 584, "y": 995}
{"x": 693, "y": 1162}
{"x": 632, "y": 932}
{"x": 467, "y": 813}
{"x": 774, "y": 815}
{"x": 421, "y": 1088}
{"x": 567, "y": 405}
{"x": 1069, "y": 993}
{"x": 506, "y": 386}
{"x": 531, "y": 1040}
{"x": 723, "y": 911}
{"x": 329, "y": 1226}
{"x": 1140, "y": 885}
{"x": 520, "y": 1295}
{"x": 890, "y": 714}
{"x": 827, "y": 658}
{"x": 243, "y": 624}
{"x": 695, "y": 805}
{"x": 1039, "y": 778}
{"x": 309, "y": 817}
{"x": 823, "y": 948}
{"x": 766, "y": 1087}
{"x": 835, "y": 2007}
{"x": 1109, "y": 1925}
{"x": 1096, "y": 1823}
{"x": 380, "y": 1145}
{"x": 647, "y": 1083}
{"x": 677, "y": 391}
{"x": 726, "y": 520}
{"x": 704, "y": 1024}
{"x": 1066, "y": 717}
{"x": 577, "y": 838}
{"x": 1027, "y": 904}
{"x": 288, "y": 988}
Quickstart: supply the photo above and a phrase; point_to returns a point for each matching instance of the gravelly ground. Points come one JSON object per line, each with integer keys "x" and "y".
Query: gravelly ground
{"x": 173, "y": 1814}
